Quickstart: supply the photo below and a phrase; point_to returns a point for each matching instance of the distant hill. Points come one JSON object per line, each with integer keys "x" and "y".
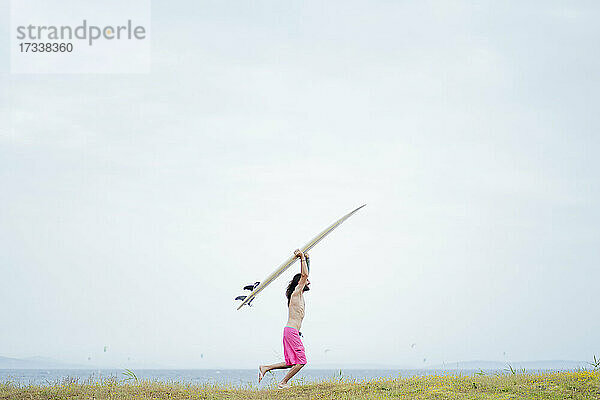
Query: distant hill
{"x": 36, "y": 363}
{"x": 496, "y": 365}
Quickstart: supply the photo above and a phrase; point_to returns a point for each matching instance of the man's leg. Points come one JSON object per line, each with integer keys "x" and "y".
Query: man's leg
{"x": 266, "y": 368}
{"x": 281, "y": 365}
{"x": 291, "y": 373}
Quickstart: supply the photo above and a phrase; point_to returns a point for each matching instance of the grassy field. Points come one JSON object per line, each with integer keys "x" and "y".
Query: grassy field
{"x": 559, "y": 385}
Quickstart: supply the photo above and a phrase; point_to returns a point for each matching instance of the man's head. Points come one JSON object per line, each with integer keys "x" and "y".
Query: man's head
{"x": 293, "y": 284}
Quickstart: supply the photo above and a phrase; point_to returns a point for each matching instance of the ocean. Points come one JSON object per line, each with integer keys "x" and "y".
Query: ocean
{"x": 235, "y": 377}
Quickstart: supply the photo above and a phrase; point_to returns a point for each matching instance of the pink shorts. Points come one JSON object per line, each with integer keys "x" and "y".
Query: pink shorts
{"x": 293, "y": 349}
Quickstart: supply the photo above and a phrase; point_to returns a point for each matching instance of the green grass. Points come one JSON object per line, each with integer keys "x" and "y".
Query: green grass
{"x": 558, "y": 385}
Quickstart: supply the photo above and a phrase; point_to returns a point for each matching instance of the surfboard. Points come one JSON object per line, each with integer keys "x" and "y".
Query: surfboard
{"x": 259, "y": 286}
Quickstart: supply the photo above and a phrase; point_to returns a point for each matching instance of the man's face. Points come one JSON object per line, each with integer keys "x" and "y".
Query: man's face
{"x": 306, "y": 287}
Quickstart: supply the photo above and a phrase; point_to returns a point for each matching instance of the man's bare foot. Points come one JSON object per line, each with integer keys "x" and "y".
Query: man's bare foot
{"x": 262, "y": 370}
{"x": 283, "y": 385}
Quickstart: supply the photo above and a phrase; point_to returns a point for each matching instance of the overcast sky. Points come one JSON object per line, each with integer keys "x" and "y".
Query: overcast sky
{"x": 133, "y": 208}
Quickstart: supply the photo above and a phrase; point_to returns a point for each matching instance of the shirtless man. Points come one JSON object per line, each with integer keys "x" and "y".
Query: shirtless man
{"x": 293, "y": 349}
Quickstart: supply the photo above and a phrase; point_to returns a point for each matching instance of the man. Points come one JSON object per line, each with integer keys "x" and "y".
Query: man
{"x": 293, "y": 349}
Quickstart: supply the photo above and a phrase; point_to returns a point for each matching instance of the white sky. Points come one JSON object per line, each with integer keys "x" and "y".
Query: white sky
{"x": 133, "y": 208}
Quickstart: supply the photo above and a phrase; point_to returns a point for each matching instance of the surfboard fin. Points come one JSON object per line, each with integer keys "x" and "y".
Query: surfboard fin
{"x": 241, "y": 298}
{"x": 252, "y": 286}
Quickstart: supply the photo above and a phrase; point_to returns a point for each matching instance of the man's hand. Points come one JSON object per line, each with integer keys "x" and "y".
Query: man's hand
{"x": 306, "y": 256}
{"x": 299, "y": 254}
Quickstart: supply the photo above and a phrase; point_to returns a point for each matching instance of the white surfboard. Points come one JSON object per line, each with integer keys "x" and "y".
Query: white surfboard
{"x": 290, "y": 261}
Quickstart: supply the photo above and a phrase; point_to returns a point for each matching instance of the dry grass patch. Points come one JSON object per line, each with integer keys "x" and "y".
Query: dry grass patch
{"x": 555, "y": 386}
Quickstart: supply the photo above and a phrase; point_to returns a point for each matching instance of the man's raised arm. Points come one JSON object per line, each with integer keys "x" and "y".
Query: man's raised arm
{"x": 303, "y": 268}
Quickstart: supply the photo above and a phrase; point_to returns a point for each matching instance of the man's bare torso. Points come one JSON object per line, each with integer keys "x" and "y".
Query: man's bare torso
{"x": 296, "y": 311}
